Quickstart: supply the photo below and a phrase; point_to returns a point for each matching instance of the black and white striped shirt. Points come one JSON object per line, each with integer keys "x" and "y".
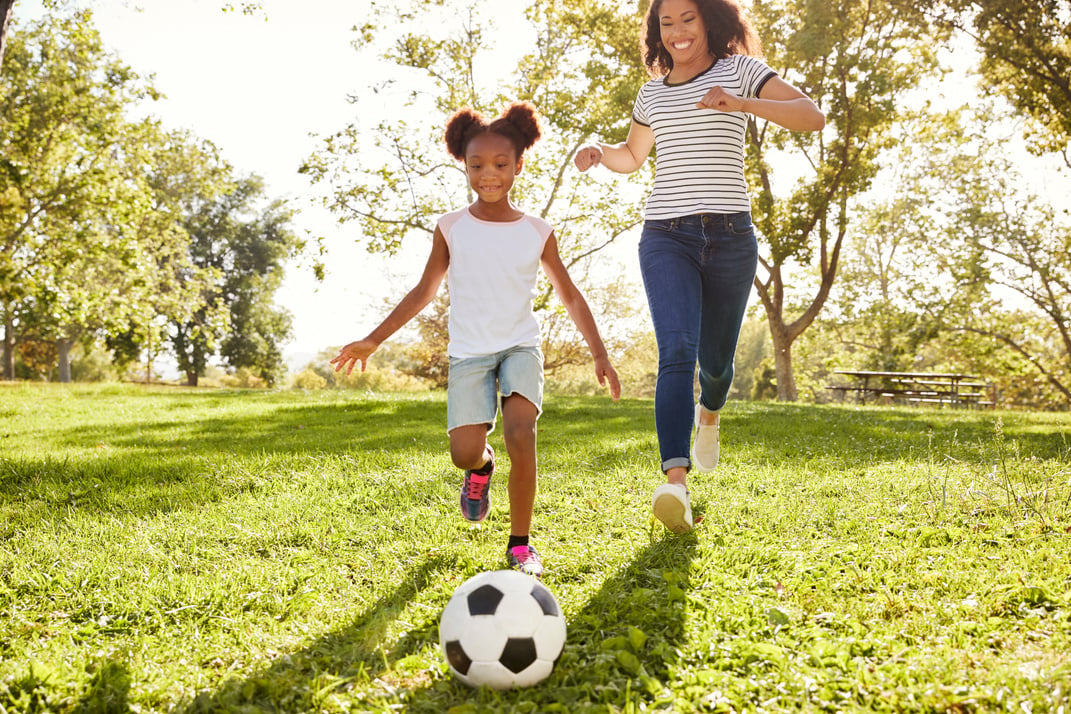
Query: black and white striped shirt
{"x": 699, "y": 164}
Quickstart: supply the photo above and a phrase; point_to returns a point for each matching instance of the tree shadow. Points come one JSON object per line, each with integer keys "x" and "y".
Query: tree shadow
{"x": 167, "y": 464}
{"x": 351, "y": 654}
{"x": 108, "y": 691}
{"x": 629, "y": 631}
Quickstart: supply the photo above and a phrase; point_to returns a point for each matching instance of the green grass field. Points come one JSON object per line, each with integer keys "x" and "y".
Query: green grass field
{"x": 194, "y": 551}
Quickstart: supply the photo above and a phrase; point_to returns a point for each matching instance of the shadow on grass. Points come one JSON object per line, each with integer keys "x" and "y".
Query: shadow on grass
{"x": 630, "y": 631}
{"x": 180, "y": 458}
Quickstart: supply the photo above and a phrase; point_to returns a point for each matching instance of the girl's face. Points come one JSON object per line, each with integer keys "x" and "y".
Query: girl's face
{"x": 491, "y": 163}
{"x": 684, "y": 35}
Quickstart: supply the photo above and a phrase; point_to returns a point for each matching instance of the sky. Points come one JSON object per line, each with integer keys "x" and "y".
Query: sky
{"x": 259, "y": 87}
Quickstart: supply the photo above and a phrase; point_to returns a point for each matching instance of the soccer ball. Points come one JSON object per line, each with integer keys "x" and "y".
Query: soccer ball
{"x": 502, "y": 629}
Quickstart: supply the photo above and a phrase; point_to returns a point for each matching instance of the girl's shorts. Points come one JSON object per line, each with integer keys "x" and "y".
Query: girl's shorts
{"x": 475, "y": 383}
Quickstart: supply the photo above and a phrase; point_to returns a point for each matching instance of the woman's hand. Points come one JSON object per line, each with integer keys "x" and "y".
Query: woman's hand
{"x": 587, "y": 156}
{"x": 722, "y": 100}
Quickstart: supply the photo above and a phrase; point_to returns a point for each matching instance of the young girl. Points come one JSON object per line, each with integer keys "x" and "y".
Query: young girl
{"x": 493, "y": 251}
{"x": 698, "y": 249}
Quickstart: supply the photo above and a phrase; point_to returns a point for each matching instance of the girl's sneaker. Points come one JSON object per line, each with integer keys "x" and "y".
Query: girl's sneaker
{"x": 525, "y": 558}
{"x": 476, "y": 491}
{"x": 672, "y": 506}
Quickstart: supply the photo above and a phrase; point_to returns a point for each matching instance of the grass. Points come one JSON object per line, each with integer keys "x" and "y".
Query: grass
{"x": 202, "y": 551}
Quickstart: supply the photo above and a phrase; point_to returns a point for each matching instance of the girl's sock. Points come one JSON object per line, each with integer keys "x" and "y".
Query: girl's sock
{"x": 515, "y": 541}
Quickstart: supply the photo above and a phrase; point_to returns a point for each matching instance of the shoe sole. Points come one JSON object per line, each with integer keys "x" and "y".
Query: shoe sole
{"x": 670, "y": 511}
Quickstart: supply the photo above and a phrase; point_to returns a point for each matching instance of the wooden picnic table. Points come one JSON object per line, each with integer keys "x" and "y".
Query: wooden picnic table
{"x": 915, "y": 387}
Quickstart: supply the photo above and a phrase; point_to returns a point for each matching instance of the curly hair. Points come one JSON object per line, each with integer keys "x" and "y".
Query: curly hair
{"x": 729, "y": 32}
{"x": 519, "y": 123}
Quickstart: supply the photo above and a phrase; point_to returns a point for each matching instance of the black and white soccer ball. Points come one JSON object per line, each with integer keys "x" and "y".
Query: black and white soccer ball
{"x": 502, "y": 629}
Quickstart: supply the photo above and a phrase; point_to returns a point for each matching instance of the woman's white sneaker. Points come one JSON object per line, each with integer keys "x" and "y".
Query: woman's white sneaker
{"x": 706, "y": 449}
{"x": 672, "y": 506}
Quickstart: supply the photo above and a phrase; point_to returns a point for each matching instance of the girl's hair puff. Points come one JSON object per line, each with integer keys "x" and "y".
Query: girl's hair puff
{"x": 519, "y": 123}
{"x": 729, "y": 32}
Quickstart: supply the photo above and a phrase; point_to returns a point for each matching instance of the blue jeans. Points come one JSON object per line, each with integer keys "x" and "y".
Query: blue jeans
{"x": 697, "y": 271}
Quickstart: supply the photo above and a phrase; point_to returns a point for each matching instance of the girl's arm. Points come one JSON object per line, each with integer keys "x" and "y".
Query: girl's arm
{"x": 414, "y": 301}
{"x": 778, "y": 101}
{"x": 578, "y": 309}
{"x": 624, "y": 158}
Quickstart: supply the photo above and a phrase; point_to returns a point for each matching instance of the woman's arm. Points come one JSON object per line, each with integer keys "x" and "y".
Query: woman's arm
{"x": 414, "y": 301}
{"x": 624, "y": 158}
{"x": 778, "y": 101}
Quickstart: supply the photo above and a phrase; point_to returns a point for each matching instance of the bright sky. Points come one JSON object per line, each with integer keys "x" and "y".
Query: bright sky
{"x": 257, "y": 87}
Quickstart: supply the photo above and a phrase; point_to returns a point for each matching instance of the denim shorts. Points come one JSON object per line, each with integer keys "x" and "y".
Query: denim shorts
{"x": 475, "y": 383}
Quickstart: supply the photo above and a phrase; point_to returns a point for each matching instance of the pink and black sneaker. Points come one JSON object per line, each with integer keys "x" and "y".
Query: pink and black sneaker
{"x": 525, "y": 558}
{"x": 476, "y": 492}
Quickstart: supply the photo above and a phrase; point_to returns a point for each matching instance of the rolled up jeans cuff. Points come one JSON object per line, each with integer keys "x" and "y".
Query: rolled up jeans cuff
{"x": 676, "y": 462}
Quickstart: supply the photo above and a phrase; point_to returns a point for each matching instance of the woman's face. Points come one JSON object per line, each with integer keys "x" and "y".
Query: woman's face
{"x": 683, "y": 33}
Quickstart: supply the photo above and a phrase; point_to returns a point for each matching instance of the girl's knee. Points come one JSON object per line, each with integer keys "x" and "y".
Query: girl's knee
{"x": 468, "y": 448}
{"x": 519, "y": 435}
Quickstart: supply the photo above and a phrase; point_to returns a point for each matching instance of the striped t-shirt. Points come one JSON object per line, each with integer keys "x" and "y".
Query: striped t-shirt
{"x": 699, "y": 164}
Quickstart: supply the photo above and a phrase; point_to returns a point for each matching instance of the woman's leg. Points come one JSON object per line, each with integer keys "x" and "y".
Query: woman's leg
{"x": 728, "y": 274}
{"x": 669, "y": 262}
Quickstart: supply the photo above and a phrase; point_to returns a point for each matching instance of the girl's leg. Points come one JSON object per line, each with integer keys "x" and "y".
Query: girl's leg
{"x": 471, "y": 408}
{"x": 519, "y": 432}
{"x": 470, "y": 451}
{"x": 468, "y": 447}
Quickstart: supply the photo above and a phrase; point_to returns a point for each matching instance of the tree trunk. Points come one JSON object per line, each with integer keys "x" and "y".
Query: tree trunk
{"x": 63, "y": 350}
{"x": 9, "y": 344}
{"x": 5, "y": 17}
{"x": 191, "y": 378}
{"x": 786, "y": 379}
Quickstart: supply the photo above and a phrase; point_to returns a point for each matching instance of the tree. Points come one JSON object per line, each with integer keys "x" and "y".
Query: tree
{"x": 900, "y": 285}
{"x": 1026, "y": 57}
{"x": 6, "y": 6}
{"x": 244, "y": 249}
{"x": 856, "y": 61}
{"x": 961, "y": 269}
{"x": 61, "y": 115}
{"x": 396, "y": 178}
{"x": 1026, "y": 251}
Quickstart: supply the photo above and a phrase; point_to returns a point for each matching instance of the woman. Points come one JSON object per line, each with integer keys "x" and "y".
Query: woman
{"x": 698, "y": 250}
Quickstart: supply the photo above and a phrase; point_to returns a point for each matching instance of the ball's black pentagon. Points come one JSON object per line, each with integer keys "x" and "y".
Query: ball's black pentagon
{"x": 457, "y": 657}
{"x": 518, "y": 654}
{"x": 545, "y": 599}
{"x": 484, "y": 600}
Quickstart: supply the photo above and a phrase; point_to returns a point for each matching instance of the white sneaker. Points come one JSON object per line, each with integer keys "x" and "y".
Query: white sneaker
{"x": 671, "y": 506}
{"x": 706, "y": 448}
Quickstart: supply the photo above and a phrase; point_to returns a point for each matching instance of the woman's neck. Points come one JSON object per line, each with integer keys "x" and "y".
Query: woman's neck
{"x": 682, "y": 73}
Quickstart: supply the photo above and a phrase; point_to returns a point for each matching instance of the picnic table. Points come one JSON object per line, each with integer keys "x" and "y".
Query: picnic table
{"x": 914, "y": 387}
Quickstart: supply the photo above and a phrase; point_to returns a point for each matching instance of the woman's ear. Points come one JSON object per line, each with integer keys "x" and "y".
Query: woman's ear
{"x": 520, "y": 165}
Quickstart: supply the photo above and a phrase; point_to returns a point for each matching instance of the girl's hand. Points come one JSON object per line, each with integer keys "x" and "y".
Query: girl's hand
{"x": 607, "y": 374}
{"x": 587, "y": 156}
{"x": 721, "y": 100}
{"x": 353, "y": 353}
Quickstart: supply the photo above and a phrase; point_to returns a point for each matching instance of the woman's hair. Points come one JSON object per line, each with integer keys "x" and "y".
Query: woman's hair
{"x": 519, "y": 123}
{"x": 729, "y": 32}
